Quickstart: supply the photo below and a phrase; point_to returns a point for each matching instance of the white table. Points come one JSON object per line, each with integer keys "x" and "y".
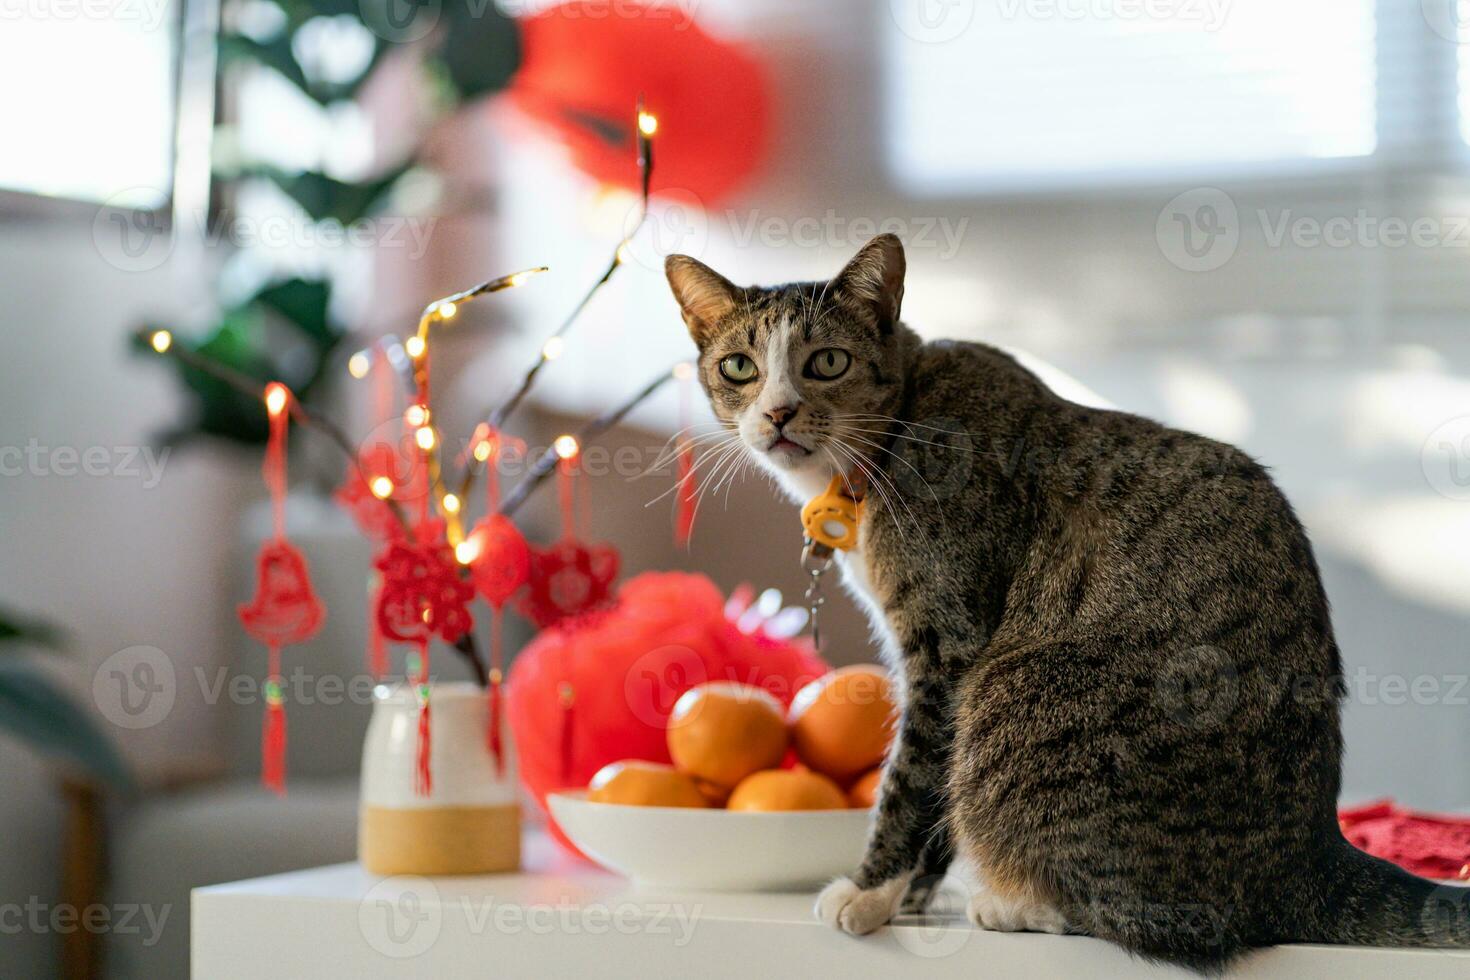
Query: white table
{"x": 561, "y": 918}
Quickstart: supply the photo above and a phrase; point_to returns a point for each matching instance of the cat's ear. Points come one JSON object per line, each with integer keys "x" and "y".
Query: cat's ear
{"x": 874, "y": 279}
{"x": 703, "y": 294}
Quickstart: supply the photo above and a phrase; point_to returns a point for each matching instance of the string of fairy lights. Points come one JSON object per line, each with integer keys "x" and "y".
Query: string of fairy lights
{"x": 419, "y": 416}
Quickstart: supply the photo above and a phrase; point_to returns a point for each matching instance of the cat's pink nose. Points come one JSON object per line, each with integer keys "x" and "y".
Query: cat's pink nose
{"x": 780, "y": 416}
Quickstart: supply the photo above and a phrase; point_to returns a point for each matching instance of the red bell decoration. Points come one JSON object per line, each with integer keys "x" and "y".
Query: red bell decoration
{"x": 285, "y": 608}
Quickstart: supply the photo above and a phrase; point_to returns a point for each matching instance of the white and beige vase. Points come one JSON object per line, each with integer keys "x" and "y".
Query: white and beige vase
{"x": 470, "y": 821}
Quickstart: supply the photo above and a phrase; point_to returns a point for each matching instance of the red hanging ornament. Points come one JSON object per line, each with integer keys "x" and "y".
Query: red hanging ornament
{"x": 285, "y": 608}
{"x": 422, "y": 594}
{"x": 502, "y": 562}
{"x": 567, "y": 579}
{"x": 500, "y": 567}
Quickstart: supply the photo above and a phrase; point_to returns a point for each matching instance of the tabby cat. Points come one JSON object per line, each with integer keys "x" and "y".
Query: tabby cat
{"x": 1120, "y": 688}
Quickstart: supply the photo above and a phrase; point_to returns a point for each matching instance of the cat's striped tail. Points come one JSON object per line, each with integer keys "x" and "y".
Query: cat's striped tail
{"x": 1370, "y": 902}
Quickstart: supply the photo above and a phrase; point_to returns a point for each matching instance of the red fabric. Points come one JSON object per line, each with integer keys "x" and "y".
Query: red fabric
{"x": 1427, "y": 844}
{"x": 624, "y": 668}
{"x": 585, "y": 64}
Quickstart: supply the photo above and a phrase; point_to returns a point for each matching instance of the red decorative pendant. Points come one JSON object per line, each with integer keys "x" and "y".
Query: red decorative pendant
{"x": 285, "y": 609}
{"x": 567, "y": 579}
{"x": 422, "y": 594}
{"x": 503, "y": 562}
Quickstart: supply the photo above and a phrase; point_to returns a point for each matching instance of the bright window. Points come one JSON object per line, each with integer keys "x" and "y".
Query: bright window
{"x": 1049, "y": 93}
{"x": 89, "y": 99}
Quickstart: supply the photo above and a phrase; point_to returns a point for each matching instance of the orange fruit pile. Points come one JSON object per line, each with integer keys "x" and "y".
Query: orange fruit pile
{"x": 729, "y": 742}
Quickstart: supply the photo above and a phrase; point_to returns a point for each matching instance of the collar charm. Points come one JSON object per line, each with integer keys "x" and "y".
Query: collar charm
{"x": 831, "y": 518}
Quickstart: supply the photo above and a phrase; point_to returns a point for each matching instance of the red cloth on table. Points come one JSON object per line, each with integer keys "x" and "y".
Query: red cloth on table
{"x": 1431, "y": 845}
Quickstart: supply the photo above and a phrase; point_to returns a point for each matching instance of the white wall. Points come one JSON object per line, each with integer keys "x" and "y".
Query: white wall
{"x": 117, "y": 559}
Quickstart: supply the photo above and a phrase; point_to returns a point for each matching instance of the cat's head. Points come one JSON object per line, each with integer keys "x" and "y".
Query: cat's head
{"x": 804, "y": 372}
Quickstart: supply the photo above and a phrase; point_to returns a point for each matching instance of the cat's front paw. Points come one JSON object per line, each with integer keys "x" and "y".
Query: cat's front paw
{"x": 858, "y": 911}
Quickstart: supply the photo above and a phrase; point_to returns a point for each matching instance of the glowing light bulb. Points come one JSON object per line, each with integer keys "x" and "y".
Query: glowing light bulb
{"x": 622, "y": 253}
{"x": 519, "y": 278}
{"x": 382, "y": 487}
{"x": 275, "y": 398}
{"x": 566, "y": 446}
{"x": 415, "y": 346}
{"x": 451, "y": 504}
{"x": 425, "y": 438}
{"x": 161, "y": 340}
{"x": 553, "y": 348}
{"x": 683, "y": 371}
{"x": 416, "y": 415}
{"x": 467, "y": 551}
{"x": 483, "y": 449}
{"x": 358, "y": 364}
{"x": 447, "y": 311}
{"x": 647, "y": 123}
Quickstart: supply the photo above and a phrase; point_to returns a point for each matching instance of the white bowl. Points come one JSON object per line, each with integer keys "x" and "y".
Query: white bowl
{"x": 716, "y": 850}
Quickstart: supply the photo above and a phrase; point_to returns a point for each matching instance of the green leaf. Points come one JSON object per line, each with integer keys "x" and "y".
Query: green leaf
{"x": 304, "y": 303}
{"x": 482, "y": 48}
{"x": 275, "y": 53}
{"x": 37, "y": 712}
{"x": 324, "y": 197}
{"x": 15, "y": 628}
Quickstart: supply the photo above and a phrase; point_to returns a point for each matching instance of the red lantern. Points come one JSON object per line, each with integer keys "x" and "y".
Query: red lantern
{"x": 502, "y": 563}
{"x": 581, "y": 69}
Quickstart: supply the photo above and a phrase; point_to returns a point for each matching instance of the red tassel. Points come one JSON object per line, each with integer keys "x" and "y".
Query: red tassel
{"x": 423, "y": 774}
{"x": 377, "y": 650}
{"x": 273, "y": 731}
{"x": 567, "y": 700}
{"x": 493, "y": 740}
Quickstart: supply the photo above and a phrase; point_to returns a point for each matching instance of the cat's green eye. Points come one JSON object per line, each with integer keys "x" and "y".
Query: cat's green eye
{"x": 739, "y": 368}
{"x": 828, "y": 364}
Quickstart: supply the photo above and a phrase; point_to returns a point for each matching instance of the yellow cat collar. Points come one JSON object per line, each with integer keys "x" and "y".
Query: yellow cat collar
{"x": 831, "y": 517}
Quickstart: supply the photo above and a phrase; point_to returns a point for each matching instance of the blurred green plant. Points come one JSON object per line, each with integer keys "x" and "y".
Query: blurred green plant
{"x": 35, "y": 710}
{"x": 286, "y": 330}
